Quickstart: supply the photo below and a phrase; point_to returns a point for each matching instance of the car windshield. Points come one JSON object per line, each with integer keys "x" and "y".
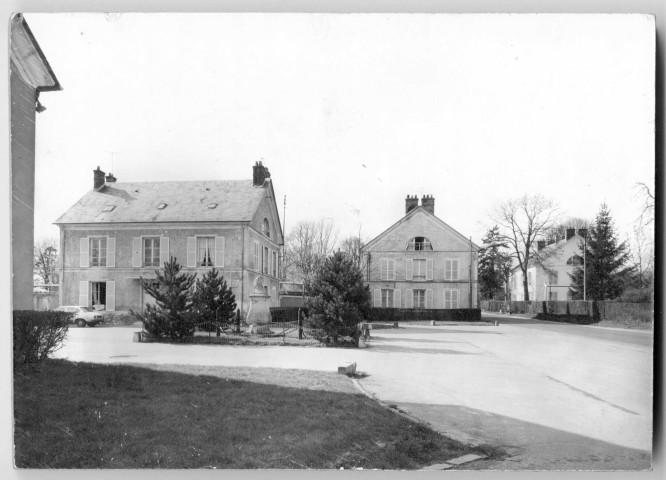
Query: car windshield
{"x": 87, "y": 309}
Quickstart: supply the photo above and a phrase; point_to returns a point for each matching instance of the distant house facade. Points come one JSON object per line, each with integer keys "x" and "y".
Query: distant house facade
{"x": 119, "y": 232}
{"x": 551, "y": 280}
{"x": 421, "y": 262}
{"x": 29, "y": 74}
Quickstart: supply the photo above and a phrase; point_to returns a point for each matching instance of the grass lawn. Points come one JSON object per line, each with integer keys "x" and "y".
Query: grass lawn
{"x": 81, "y": 415}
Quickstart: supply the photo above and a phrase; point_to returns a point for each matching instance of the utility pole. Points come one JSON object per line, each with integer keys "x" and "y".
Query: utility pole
{"x": 585, "y": 268}
{"x": 471, "y": 260}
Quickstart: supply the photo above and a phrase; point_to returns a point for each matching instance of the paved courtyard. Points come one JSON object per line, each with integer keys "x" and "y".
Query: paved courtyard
{"x": 554, "y": 396}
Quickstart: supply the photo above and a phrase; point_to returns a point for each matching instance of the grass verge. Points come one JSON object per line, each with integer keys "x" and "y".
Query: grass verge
{"x": 81, "y": 415}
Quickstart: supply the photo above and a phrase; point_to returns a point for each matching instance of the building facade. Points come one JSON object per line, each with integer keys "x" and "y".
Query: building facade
{"x": 550, "y": 279}
{"x": 29, "y": 74}
{"x": 118, "y": 233}
{"x": 421, "y": 262}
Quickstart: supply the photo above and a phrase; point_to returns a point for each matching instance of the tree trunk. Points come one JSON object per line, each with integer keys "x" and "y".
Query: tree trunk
{"x": 526, "y": 292}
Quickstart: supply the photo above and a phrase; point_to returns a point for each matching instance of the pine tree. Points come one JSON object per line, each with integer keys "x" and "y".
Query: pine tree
{"x": 339, "y": 300}
{"x": 492, "y": 262}
{"x": 604, "y": 262}
{"x": 212, "y": 299}
{"x": 173, "y": 296}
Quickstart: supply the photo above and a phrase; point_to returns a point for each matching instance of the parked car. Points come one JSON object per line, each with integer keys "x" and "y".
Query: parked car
{"x": 82, "y": 315}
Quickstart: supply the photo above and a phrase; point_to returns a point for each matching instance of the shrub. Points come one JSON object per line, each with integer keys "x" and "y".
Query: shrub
{"x": 378, "y": 314}
{"x": 339, "y": 300}
{"x": 173, "y": 297}
{"x": 213, "y": 301}
{"x": 38, "y": 334}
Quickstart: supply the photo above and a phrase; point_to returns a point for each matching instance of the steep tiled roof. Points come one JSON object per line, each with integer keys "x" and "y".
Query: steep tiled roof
{"x": 192, "y": 201}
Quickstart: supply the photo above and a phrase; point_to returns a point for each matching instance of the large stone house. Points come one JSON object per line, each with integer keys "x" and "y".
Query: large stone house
{"x": 549, "y": 279}
{"x": 29, "y": 75}
{"x": 421, "y": 262}
{"x": 120, "y": 232}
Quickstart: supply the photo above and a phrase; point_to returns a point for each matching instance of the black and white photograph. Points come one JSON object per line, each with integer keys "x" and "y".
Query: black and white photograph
{"x": 326, "y": 241}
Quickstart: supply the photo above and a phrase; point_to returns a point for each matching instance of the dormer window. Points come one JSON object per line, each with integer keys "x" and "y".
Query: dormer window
{"x": 212, "y": 205}
{"x": 108, "y": 208}
{"x": 419, "y": 243}
{"x": 162, "y": 206}
{"x": 575, "y": 260}
{"x": 266, "y": 228}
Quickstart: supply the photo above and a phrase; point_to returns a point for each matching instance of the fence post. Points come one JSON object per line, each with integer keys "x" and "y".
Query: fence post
{"x": 300, "y": 325}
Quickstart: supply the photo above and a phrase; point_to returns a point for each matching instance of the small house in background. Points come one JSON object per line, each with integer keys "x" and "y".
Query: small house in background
{"x": 550, "y": 280}
{"x": 29, "y": 74}
{"x": 421, "y": 262}
{"x": 120, "y": 232}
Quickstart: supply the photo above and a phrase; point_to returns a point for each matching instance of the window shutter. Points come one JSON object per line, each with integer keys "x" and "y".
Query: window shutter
{"x": 454, "y": 269}
{"x": 84, "y": 252}
{"x": 447, "y": 299}
{"x": 396, "y": 298}
{"x": 111, "y": 296}
{"x": 191, "y": 252}
{"x": 454, "y": 298}
{"x": 83, "y": 294}
{"x": 164, "y": 251}
{"x": 378, "y": 297}
{"x": 383, "y": 268}
{"x": 409, "y": 298}
{"x": 391, "y": 269}
{"x": 136, "y": 251}
{"x": 219, "y": 251}
{"x": 447, "y": 269}
{"x": 429, "y": 269}
{"x": 111, "y": 252}
{"x": 428, "y": 299}
{"x": 409, "y": 269}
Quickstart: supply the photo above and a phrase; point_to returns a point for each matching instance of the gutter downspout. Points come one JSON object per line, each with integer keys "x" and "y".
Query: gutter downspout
{"x": 242, "y": 269}
{"x": 471, "y": 260}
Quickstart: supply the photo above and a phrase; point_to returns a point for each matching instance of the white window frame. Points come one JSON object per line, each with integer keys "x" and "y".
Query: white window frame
{"x": 388, "y": 298}
{"x": 101, "y": 257}
{"x": 154, "y": 261}
{"x": 210, "y": 245}
{"x": 419, "y": 275}
{"x": 387, "y": 269}
{"x": 419, "y": 298}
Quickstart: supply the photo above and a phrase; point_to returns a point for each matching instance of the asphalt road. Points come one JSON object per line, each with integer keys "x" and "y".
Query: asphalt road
{"x": 556, "y": 397}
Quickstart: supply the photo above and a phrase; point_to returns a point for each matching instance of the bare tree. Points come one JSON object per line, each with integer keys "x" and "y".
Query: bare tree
{"x": 642, "y": 255}
{"x": 352, "y": 247}
{"x": 646, "y": 197}
{"x": 306, "y": 247}
{"x": 522, "y": 221}
{"x": 559, "y": 229}
{"x": 45, "y": 260}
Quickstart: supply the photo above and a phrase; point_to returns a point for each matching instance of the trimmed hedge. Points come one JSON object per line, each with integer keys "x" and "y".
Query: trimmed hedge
{"x": 286, "y": 314}
{"x": 576, "y": 311}
{"x": 377, "y": 314}
{"x": 38, "y": 334}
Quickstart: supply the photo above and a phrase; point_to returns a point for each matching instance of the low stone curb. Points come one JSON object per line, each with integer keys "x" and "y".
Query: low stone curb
{"x": 471, "y": 457}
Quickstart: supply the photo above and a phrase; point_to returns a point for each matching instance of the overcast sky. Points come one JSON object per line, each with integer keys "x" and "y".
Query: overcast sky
{"x": 351, "y": 113}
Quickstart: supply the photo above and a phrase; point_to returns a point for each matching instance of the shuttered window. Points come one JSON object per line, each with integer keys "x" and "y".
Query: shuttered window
{"x": 387, "y": 269}
{"x": 450, "y": 299}
{"x": 451, "y": 269}
{"x": 387, "y": 298}
{"x": 98, "y": 252}
{"x": 151, "y": 252}
{"x": 419, "y": 299}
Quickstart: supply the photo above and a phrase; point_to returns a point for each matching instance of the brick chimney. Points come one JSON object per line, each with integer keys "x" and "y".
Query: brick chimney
{"x": 570, "y": 233}
{"x": 259, "y": 174}
{"x": 110, "y": 178}
{"x": 428, "y": 202}
{"x": 411, "y": 203}
{"x": 98, "y": 178}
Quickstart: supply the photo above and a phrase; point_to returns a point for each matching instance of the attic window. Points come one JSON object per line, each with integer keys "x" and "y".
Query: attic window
{"x": 108, "y": 208}
{"x": 266, "y": 228}
{"x": 161, "y": 206}
{"x": 419, "y": 243}
{"x": 212, "y": 205}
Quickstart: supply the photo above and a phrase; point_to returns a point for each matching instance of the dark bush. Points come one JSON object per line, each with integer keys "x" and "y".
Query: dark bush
{"x": 287, "y": 314}
{"x": 377, "y": 314}
{"x": 38, "y": 334}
